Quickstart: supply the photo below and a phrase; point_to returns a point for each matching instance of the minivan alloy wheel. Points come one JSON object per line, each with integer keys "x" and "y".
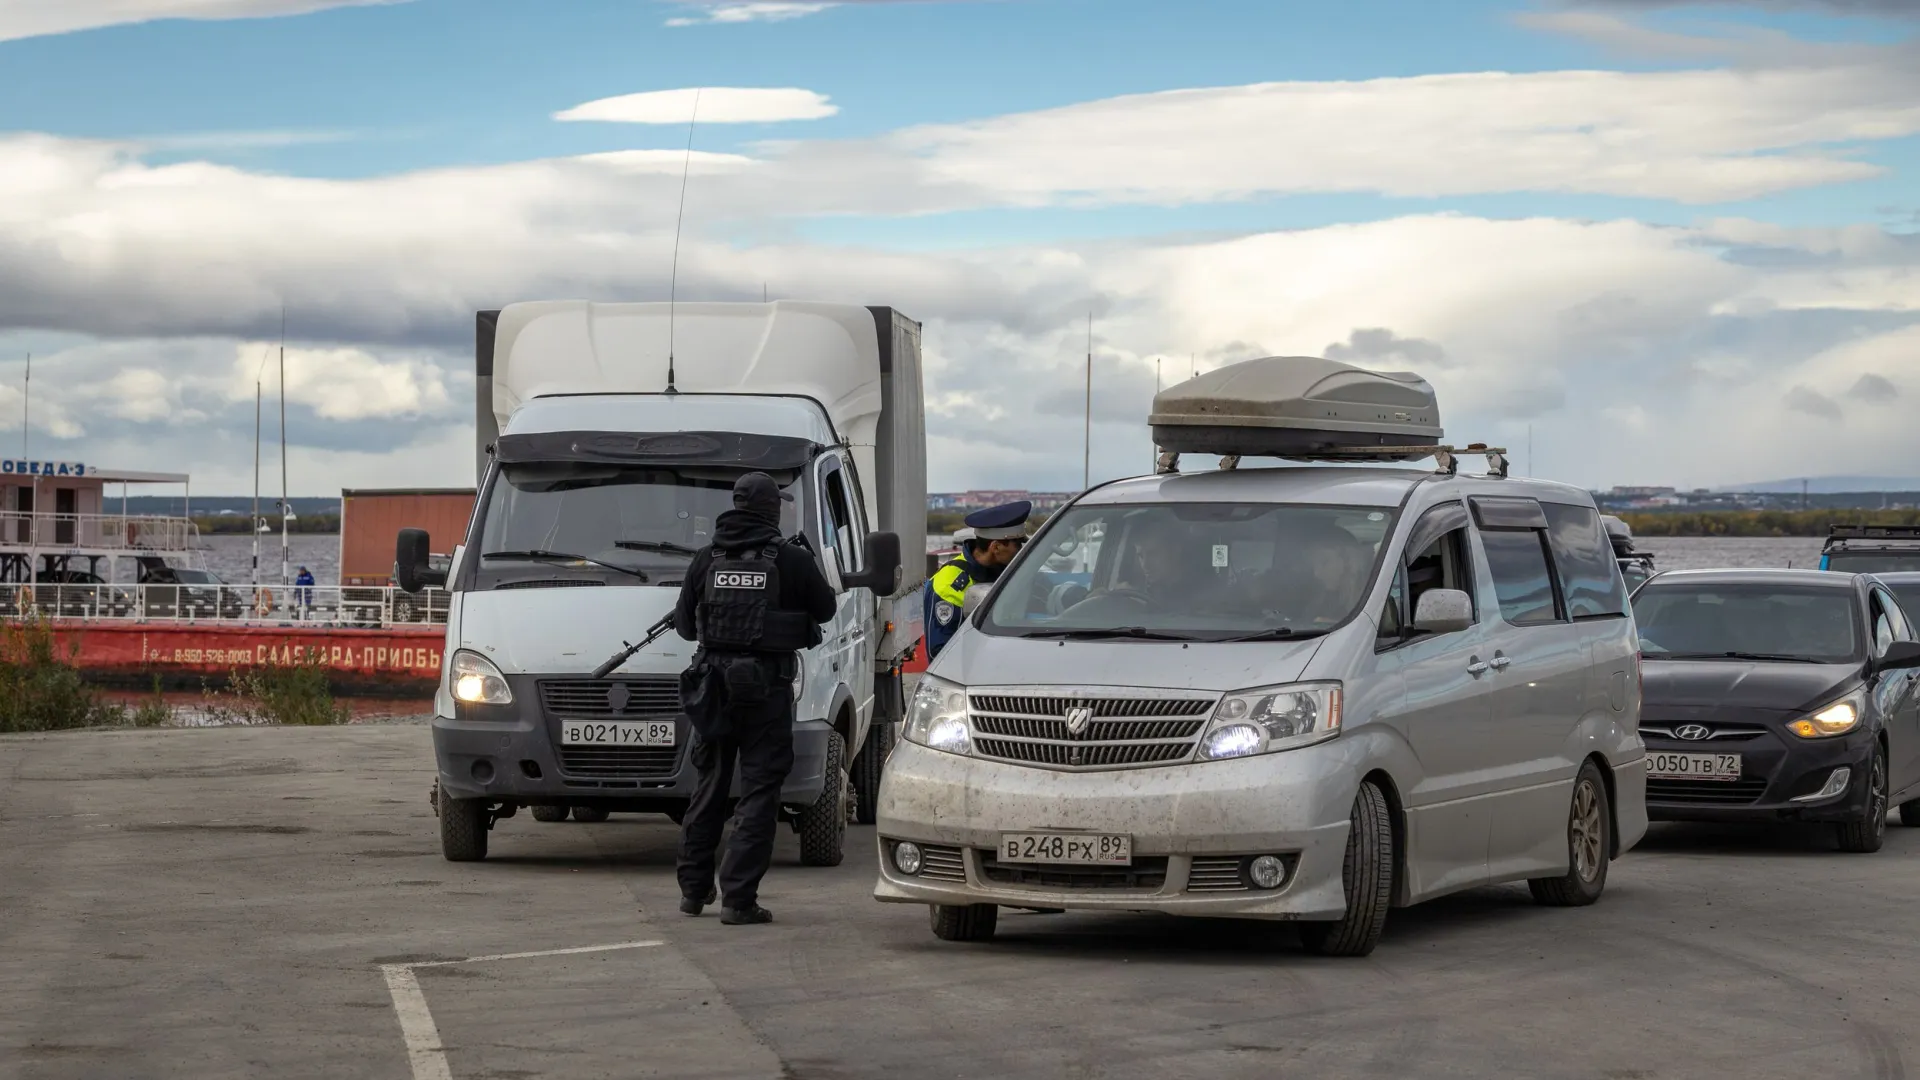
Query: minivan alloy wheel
{"x": 1587, "y": 832}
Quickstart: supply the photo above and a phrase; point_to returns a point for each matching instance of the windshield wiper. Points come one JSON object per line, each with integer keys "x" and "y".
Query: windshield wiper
{"x": 1104, "y": 633}
{"x": 560, "y": 556}
{"x": 667, "y": 546}
{"x": 1780, "y": 657}
{"x": 1278, "y": 633}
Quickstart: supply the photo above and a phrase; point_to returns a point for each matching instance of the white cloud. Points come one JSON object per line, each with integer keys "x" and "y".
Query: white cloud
{"x": 752, "y": 11}
{"x": 341, "y": 383}
{"x": 716, "y": 105}
{"x": 33, "y": 18}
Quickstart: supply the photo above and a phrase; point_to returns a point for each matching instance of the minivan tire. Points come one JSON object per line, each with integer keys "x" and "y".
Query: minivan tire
{"x": 463, "y": 828}
{"x": 1589, "y": 845}
{"x": 1366, "y": 876}
{"x": 964, "y": 922}
{"x": 549, "y": 813}
{"x": 1865, "y": 836}
{"x": 590, "y": 814}
{"x": 823, "y": 826}
{"x": 867, "y": 769}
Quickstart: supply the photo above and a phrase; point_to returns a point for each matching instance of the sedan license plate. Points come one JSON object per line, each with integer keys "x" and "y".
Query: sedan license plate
{"x": 616, "y": 733}
{"x": 1090, "y": 849}
{"x": 1670, "y": 765}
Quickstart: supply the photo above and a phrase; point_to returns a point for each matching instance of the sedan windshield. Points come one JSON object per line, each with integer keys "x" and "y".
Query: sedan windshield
{"x": 625, "y": 524}
{"x": 1747, "y": 621}
{"x": 1192, "y": 572}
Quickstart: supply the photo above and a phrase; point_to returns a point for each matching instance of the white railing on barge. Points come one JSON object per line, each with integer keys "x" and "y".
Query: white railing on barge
{"x": 352, "y": 606}
{"x": 97, "y": 532}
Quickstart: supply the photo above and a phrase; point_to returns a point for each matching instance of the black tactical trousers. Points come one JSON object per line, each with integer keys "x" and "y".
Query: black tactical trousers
{"x": 762, "y": 746}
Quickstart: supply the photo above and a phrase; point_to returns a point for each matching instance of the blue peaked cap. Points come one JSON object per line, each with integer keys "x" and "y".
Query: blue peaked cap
{"x": 1000, "y": 522}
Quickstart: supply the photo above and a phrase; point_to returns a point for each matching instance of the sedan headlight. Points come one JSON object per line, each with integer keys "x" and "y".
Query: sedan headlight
{"x": 1836, "y": 719}
{"x": 477, "y": 682}
{"x": 937, "y": 717}
{"x": 1269, "y": 719}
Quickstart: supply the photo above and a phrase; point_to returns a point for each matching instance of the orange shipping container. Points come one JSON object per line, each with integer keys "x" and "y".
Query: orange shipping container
{"x": 370, "y": 521}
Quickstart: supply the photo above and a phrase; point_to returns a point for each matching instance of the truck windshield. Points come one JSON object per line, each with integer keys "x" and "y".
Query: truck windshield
{"x": 613, "y": 519}
{"x": 1193, "y": 571}
{"x": 1747, "y": 622}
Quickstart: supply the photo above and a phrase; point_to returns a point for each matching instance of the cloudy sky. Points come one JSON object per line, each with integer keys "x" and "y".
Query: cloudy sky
{"x": 1679, "y": 243}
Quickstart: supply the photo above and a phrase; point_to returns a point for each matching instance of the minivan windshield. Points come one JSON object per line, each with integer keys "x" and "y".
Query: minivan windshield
{"x": 1701, "y": 621}
{"x": 1192, "y": 572}
{"x": 625, "y": 524}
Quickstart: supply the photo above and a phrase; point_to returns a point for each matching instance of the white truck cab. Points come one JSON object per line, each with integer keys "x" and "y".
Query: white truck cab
{"x": 610, "y": 436}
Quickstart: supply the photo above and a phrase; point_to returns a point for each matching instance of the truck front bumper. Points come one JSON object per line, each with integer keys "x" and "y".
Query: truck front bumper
{"x": 511, "y": 754}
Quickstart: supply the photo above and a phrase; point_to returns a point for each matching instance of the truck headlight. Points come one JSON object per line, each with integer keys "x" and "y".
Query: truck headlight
{"x": 937, "y": 717}
{"x": 1836, "y": 719}
{"x": 477, "y": 682}
{"x": 1269, "y": 719}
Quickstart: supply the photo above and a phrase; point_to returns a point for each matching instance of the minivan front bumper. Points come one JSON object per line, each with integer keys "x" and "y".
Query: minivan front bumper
{"x": 1189, "y": 824}
{"x": 511, "y": 754}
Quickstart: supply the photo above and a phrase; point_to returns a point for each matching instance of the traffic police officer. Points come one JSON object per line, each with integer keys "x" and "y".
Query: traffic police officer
{"x": 998, "y": 534}
{"x": 751, "y": 600}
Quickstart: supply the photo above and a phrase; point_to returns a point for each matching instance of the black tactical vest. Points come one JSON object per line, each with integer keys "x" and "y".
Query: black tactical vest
{"x": 741, "y": 587}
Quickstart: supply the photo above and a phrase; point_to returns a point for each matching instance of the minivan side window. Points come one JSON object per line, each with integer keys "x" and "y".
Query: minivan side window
{"x": 1589, "y": 573}
{"x": 1441, "y": 562}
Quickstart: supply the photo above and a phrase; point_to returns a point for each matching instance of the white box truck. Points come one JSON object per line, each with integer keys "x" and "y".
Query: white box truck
{"x": 609, "y": 438}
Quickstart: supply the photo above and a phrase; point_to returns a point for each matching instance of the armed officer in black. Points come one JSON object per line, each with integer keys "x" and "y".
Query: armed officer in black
{"x": 751, "y": 600}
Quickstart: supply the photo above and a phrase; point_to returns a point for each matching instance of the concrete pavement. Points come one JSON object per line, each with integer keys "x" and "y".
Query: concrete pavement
{"x": 235, "y": 903}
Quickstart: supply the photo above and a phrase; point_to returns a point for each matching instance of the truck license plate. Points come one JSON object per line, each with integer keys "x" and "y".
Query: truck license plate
{"x": 1095, "y": 849}
{"x": 616, "y": 733}
{"x": 1667, "y": 765}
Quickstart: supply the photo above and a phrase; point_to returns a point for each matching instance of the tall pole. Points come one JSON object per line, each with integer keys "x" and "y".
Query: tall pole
{"x": 284, "y": 578}
{"x": 26, "y": 413}
{"x": 253, "y": 522}
{"x": 1529, "y": 449}
{"x": 1086, "y": 458}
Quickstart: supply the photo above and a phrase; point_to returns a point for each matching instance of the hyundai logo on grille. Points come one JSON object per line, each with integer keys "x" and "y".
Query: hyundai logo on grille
{"x": 1078, "y": 717}
{"x": 617, "y": 697}
{"x": 1692, "y": 732}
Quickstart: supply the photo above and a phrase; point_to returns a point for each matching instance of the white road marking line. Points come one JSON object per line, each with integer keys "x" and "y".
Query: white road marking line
{"x": 424, "y": 1051}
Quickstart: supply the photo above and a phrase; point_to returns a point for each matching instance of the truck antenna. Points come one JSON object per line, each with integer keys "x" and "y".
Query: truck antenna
{"x": 673, "y": 278}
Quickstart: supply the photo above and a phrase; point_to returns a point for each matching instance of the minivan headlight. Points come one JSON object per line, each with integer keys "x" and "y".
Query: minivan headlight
{"x": 1836, "y": 719}
{"x": 937, "y": 717}
{"x": 1269, "y": 719}
{"x": 477, "y": 682}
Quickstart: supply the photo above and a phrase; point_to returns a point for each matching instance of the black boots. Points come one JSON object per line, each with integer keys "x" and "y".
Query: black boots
{"x": 746, "y": 916}
{"x": 690, "y": 906}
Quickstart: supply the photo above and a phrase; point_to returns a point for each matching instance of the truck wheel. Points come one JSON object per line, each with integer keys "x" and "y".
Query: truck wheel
{"x": 590, "y": 814}
{"x": 823, "y": 826}
{"x": 549, "y": 813}
{"x": 1367, "y": 877}
{"x": 964, "y": 922}
{"x": 1589, "y": 846}
{"x": 866, "y": 771}
{"x": 463, "y": 828}
{"x": 1865, "y": 836}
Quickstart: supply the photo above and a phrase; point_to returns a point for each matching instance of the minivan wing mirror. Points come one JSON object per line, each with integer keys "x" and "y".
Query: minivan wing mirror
{"x": 1443, "y": 611}
{"x": 411, "y": 562}
{"x": 883, "y": 571}
{"x": 1900, "y": 654}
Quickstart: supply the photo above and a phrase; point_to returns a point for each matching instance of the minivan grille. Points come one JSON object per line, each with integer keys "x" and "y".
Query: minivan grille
{"x": 1214, "y": 873}
{"x": 1149, "y": 872}
{"x": 942, "y": 864}
{"x": 655, "y": 696}
{"x": 1118, "y": 732}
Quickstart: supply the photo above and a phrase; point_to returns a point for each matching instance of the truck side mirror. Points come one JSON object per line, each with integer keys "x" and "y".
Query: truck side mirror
{"x": 1443, "y": 611}
{"x": 411, "y": 569}
{"x": 883, "y": 571}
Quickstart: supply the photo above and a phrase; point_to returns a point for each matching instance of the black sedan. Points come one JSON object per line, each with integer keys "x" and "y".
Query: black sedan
{"x": 1779, "y": 695}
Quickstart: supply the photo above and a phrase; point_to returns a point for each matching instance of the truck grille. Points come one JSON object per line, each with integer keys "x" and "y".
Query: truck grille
{"x": 613, "y": 699}
{"x": 1119, "y": 732}
{"x": 656, "y": 696}
{"x": 1146, "y": 873}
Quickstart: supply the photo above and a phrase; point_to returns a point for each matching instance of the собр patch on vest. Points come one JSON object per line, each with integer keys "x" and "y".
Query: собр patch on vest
{"x": 739, "y": 579}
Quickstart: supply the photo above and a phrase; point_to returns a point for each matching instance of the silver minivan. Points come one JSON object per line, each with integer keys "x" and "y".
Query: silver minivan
{"x": 1309, "y": 693}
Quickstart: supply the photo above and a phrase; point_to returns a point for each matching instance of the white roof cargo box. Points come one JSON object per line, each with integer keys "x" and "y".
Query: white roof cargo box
{"x": 1297, "y": 407}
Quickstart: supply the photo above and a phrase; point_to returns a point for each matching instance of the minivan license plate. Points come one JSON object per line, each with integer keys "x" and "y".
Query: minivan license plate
{"x": 616, "y": 733}
{"x": 1664, "y": 765}
{"x": 1093, "y": 849}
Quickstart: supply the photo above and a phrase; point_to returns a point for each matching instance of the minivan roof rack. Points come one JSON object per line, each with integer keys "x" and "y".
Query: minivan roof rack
{"x": 1446, "y": 458}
